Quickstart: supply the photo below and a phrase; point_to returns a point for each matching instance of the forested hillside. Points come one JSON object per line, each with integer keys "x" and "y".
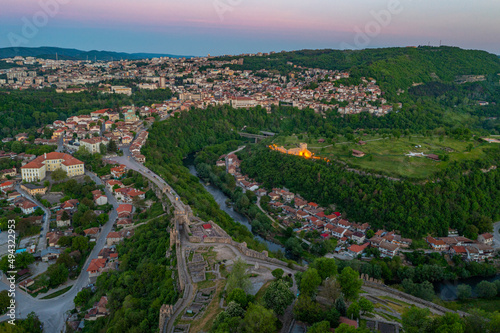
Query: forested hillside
{"x": 450, "y": 199}
{"x": 393, "y": 68}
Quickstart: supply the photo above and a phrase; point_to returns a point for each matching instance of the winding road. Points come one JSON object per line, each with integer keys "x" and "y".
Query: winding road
{"x": 53, "y": 312}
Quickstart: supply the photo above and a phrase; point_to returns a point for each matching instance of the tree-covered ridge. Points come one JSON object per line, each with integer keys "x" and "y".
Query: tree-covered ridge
{"x": 461, "y": 196}
{"x": 453, "y": 199}
{"x": 139, "y": 288}
{"x": 393, "y": 68}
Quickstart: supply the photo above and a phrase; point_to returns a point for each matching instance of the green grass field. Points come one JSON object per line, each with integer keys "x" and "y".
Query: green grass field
{"x": 388, "y": 155}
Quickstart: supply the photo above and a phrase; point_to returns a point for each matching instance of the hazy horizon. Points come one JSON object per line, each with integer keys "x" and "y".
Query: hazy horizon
{"x": 216, "y": 27}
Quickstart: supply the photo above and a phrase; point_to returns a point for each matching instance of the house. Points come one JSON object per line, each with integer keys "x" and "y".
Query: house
{"x": 436, "y": 244}
{"x": 93, "y": 145}
{"x": 458, "y": 251}
{"x": 274, "y": 196}
{"x": 92, "y": 232}
{"x": 118, "y": 172}
{"x": 53, "y": 238}
{"x": 123, "y": 222}
{"x": 95, "y": 267}
{"x": 388, "y": 249}
{"x": 300, "y": 203}
{"x": 70, "y": 204}
{"x": 111, "y": 183}
{"x": 8, "y": 172}
{"x": 62, "y": 220}
{"x": 433, "y": 157}
{"x": 50, "y": 253}
{"x": 124, "y": 210}
{"x": 355, "y": 249}
{"x": 338, "y": 232}
{"x": 21, "y": 137}
{"x": 99, "y": 310}
{"x": 34, "y": 189}
{"x": 6, "y": 186}
{"x": 107, "y": 253}
{"x": 287, "y": 196}
{"x": 357, "y": 153}
{"x": 13, "y": 195}
{"x": 344, "y": 224}
{"x": 26, "y": 283}
{"x": 485, "y": 238}
{"x": 358, "y": 237}
{"x": 99, "y": 198}
{"x": 113, "y": 237}
{"x": 28, "y": 207}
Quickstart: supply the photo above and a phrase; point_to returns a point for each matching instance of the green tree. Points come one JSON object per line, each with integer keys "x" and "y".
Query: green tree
{"x": 331, "y": 289}
{"x": 350, "y": 283}
{"x": 415, "y": 320}
{"x": 58, "y": 175}
{"x": 112, "y": 147}
{"x": 486, "y": 289}
{"x": 238, "y": 277}
{"x": 82, "y": 297}
{"x": 464, "y": 291}
{"x": 340, "y": 305}
{"x": 326, "y": 267}
{"x": 258, "y": 319}
{"x": 370, "y": 233}
{"x": 278, "y": 296}
{"x": 239, "y": 296}
{"x": 365, "y": 305}
{"x": 235, "y": 310}
{"x": 24, "y": 259}
{"x": 307, "y": 310}
{"x": 4, "y": 301}
{"x": 320, "y": 327}
{"x": 278, "y": 273}
{"x": 16, "y": 147}
{"x": 58, "y": 274}
{"x": 310, "y": 282}
{"x": 80, "y": 243}
{"x": 353, "y": 310}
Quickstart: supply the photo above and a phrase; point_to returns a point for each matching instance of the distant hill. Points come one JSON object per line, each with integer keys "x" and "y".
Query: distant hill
{"x": 74, "y": 54}
{"x": 393, "y": 68}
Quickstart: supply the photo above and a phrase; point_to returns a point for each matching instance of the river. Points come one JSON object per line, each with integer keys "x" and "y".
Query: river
{"x": 448, "y": 290}
{"x": 221, "y": 199}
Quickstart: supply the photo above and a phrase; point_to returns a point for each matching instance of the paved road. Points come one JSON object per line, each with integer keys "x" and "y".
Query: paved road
{"x": 129, "y": 161}
{"x": 42, "y": 243}
{"x": 60, "y": 146}
{"x": 279, "y": 224}
{"x": 52, "y": 312}
{"x": 496, "y": 235}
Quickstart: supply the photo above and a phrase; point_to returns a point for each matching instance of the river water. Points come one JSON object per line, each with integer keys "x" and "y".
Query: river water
{"x": 221, "y": 199}
{"x": 448, "y": 290}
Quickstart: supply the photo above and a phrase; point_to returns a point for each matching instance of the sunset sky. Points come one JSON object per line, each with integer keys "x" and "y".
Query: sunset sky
{"x": 199, "y": 27}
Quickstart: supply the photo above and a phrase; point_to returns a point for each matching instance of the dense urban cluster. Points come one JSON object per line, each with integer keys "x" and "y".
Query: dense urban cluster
{"x": 205, "y": 81}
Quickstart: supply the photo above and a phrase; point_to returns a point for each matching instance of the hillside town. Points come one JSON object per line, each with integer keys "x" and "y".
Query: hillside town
{"x": 205, "y": 81}
{"x": 292, "y": 210}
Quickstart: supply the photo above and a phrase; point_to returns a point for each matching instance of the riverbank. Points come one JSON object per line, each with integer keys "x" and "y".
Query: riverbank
{"x": 221, "y": 200}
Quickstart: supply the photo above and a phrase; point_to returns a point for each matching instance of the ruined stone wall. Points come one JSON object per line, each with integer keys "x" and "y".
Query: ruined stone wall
{"x": 412, "y": 298}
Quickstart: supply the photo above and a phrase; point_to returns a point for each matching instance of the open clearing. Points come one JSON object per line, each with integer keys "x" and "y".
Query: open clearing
{"x": 388, "y": 155}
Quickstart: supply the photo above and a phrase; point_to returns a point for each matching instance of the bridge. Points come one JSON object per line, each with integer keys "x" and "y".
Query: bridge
{"x": 257, "y": 137}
